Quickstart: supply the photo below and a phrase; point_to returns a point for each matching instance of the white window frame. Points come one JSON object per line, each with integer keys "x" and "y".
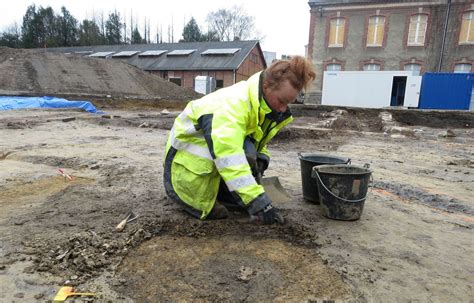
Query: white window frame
{"x": 412, "y": 65}
{"x": 377, "y": 24}
{"x": 469, "y": 26}
{"x": 417, "y": 31}
{"x": 462, "y": 69}
{"x": 332, "y": 69}
{"x": 338, "y": 24}
{"x": 371, "y": 67}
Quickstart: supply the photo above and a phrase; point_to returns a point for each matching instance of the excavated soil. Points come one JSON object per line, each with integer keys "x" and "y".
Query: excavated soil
{"x": 412, "y": 243}
{"x": 34, "y": 72}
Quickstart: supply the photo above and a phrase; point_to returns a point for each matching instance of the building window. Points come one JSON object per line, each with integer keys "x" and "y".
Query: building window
{"x": 462, "y": 68}
{"x": 336, "y": 32}
{"x": 467, "y": 28}
{"x": 219, "y": 84}
{"x": 416, "y": 68}
{"x": 417, "y": 30}
{"x": 333, "y": 67}
{"x": 371, "y": 66}
{"x": 176, "y": 81}
{"x": 375, "y": 31}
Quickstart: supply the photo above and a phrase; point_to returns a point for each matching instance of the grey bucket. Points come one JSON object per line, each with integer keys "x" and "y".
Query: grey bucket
{"x": 342, "y": 190}
{"x": 308, "y": 161}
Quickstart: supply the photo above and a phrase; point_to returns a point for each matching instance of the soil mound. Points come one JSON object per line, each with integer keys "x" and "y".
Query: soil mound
{"x": 33, "y": 72}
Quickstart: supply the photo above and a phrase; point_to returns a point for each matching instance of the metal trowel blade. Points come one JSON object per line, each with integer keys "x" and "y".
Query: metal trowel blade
{"x": 275, "y": 190}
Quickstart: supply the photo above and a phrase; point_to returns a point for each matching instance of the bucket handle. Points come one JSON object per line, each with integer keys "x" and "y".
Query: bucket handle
{"x": 337, "y": 197}
{"x": 348, "y": 162}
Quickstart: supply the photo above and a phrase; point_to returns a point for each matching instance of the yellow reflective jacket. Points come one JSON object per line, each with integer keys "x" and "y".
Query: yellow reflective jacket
{"x": 209, "y": 137}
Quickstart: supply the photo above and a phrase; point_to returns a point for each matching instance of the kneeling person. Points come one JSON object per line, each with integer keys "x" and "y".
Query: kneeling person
{"x": 216, "y": 151}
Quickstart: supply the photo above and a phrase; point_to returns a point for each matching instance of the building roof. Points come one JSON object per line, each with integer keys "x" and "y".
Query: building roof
{"x": 313, "y": 3}
{"x": 184, "y": 56}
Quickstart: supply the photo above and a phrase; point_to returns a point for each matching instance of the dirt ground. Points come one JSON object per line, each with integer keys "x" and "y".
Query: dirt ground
{"x": 413, "y": 243}
{"x": 36, "y": 73}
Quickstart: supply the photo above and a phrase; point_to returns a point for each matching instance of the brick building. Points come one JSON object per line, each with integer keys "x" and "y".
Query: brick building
{"x": 423, "y": 36}
{"x": 180, "y": 63}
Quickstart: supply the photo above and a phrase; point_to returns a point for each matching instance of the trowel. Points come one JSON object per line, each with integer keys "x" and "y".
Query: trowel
{"x": 274, "y": 189}
{"x": 68, "y": 291}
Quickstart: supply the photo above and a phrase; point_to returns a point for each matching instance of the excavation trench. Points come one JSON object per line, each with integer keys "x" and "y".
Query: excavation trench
{"x": 228, "y": 267}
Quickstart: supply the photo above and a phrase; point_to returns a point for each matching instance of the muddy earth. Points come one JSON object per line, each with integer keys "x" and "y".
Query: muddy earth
{"x": 413, "y": 242}
{"x": 33, "y": 72}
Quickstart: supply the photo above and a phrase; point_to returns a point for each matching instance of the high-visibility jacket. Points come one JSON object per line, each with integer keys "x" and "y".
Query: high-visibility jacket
{"x": 209, "y": 137}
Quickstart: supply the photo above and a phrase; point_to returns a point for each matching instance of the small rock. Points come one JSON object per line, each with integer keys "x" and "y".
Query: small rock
{"x": 19, "y": 295}
{"x": 94, "y": 167}
{"x": 90, "y": 264}
{"x": 165, "y": 112}
{"x": 245, "y": 273}
{"x": 39, "y": 296}
{"x": 447, "y": 134}
{"x": 2, "y": 267}
{"x": 115, "y": 283}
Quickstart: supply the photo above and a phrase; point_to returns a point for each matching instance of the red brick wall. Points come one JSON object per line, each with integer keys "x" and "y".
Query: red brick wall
{"x": 252, "y": 64}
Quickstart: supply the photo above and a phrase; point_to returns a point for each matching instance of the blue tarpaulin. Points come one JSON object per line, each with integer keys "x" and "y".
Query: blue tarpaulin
{"x": 7, "y": 103}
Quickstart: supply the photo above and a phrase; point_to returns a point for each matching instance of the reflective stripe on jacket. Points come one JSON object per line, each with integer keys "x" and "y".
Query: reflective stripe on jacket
{"x": 209, "y": 136}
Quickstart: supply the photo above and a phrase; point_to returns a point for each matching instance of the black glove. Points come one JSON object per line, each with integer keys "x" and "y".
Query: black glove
{"x": 269, "y": 215}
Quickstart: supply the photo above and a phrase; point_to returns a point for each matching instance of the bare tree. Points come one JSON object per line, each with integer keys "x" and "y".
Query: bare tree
{"x": 149, "y": 31}
{"x": 145, "y": 32}
{"x": 171, "y": 31}
{"x": 231, "y": 24}
{"x": 131, "y": 24}
{"x": 125, "y": 38}
{"x": 102, "y": 22}
{"x": 160, "y": 35}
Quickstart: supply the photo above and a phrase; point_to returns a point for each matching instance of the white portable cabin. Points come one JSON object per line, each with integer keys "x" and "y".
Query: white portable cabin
{"x": 204, "y": 84}
{"x": 372, "y": 89}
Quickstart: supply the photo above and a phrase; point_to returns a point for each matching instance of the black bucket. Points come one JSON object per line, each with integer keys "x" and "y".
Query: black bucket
{"x": 342, "y": 190}
{"x": 308, "y": 161}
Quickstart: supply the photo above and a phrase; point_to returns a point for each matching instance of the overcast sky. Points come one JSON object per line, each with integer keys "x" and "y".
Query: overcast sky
{"x": 284, "y": 25}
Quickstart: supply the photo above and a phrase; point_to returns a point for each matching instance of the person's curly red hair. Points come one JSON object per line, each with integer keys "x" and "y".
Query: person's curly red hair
{"x": 298, "y": 70}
